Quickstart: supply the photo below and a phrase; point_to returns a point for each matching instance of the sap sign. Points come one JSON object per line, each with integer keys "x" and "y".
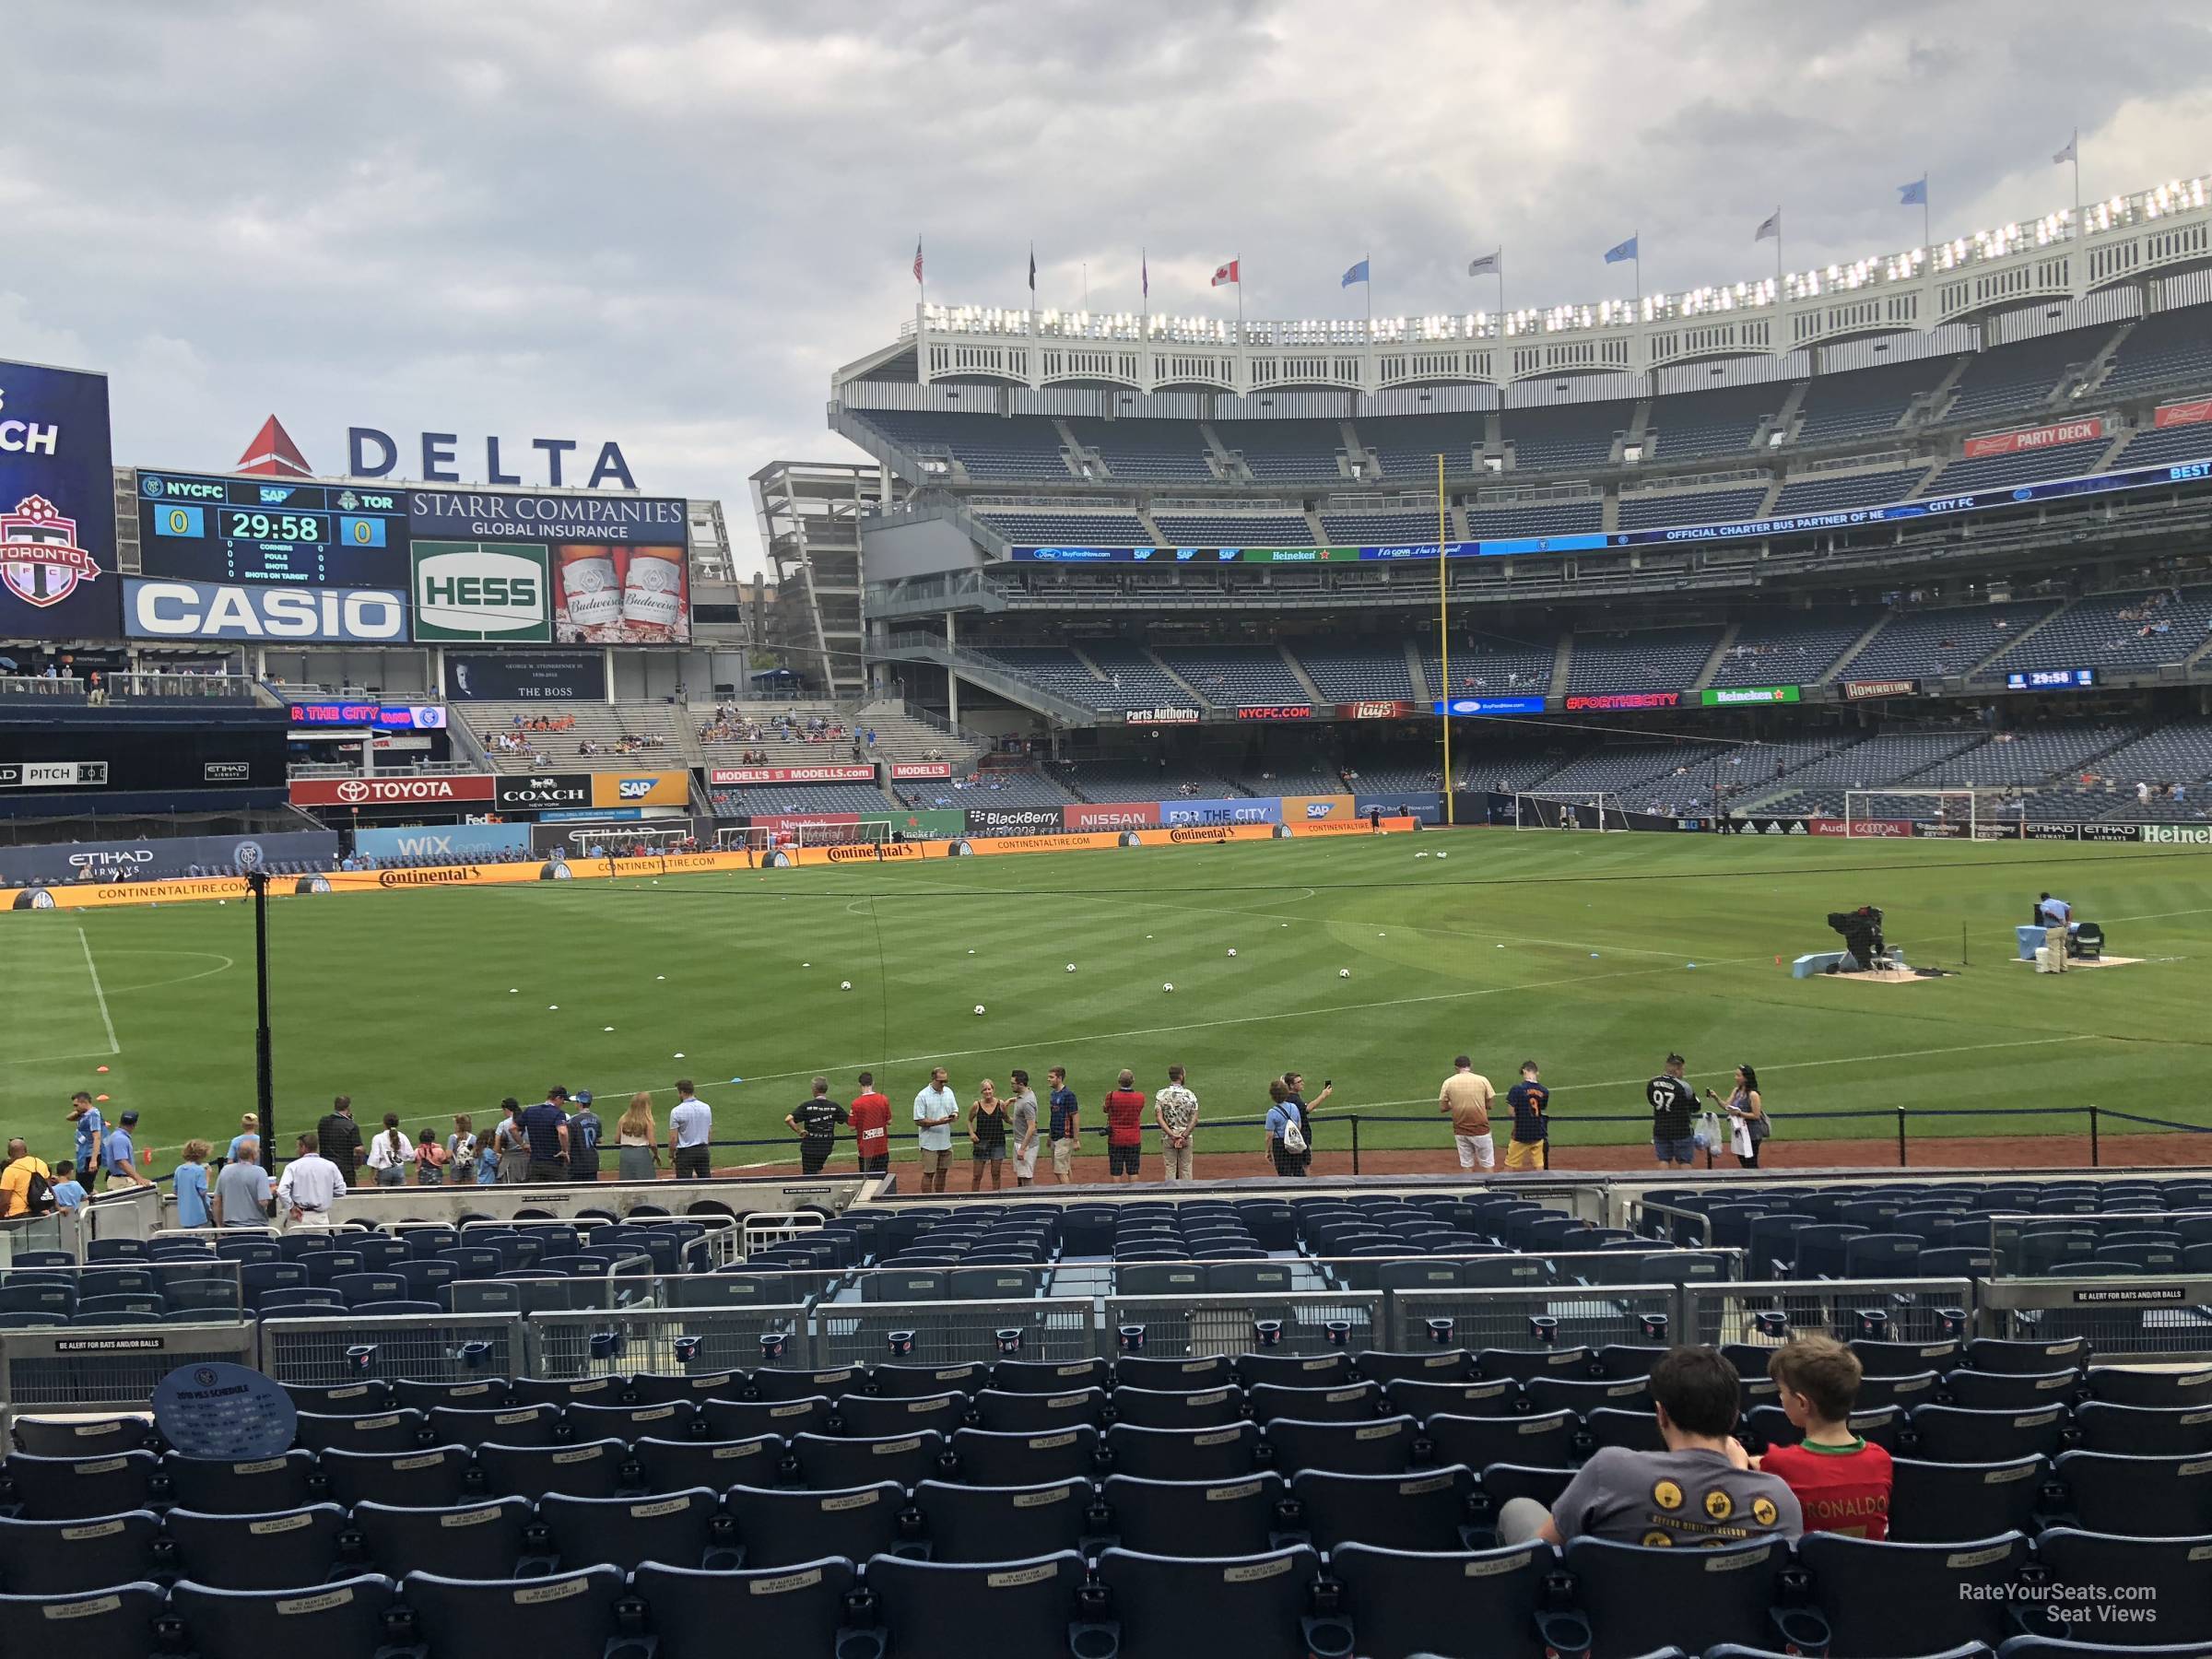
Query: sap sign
{"x": 466, "y": 591}
{"x": 373, "y": 454}
{"x": 207, "y": 610}
{"x": 459, "y": 842}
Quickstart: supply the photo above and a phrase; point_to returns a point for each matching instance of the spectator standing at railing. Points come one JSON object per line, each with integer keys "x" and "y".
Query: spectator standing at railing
{"x": 937, "y": 1109}
{"x": 637, "y": 1141}
{"x": 338, "y": 1137}
{"x": 870, "y": 1114}
{"x": 1021, "y": 1128}
{"x": 121, "y": 1154}
{"x": 1062, "y": 1126}
{"x": 391, "y": 1153}
{"x": 190, "y": 1185}
{"x": 1124, "y": 1129}
{"x": 310, "y": 1189}
{"x": 1175, "y": 1110}
{"x": 243, "y": 1188}
{"x": 249, "y": 1129}
{"x": 691, "y": 1127}
{"x": 1466, "y": 1098}
{"x": 584, "y": 1133}
{"x": 26, "y": 1184}
{"x": 69, "y": 1192}
{"x": 545, "y": 1125}
{"x": 91, "y": 1136}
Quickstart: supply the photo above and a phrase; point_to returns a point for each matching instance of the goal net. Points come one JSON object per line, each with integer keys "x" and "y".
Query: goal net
{"x": 741, "y": 837}
{"x": 1901, "y": 812}
{"x": 1598, "y": 809}
{"x": 842, "y": 835}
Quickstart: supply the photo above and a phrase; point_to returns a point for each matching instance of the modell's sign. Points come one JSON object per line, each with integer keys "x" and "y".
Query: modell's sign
{"x": 2035, "y": 438}
{"x": 1163, "y": 717}
{"x": 1377, "y": 710}
{"x": 921, "y": 769}
{"x": 389, "y": 791}
{"x": 1859, "y": 690}
{"x": 798, "y": 774}
{"x": 2195, "y": 411}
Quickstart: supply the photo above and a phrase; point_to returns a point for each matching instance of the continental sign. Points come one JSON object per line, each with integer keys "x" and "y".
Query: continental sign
{"x": 107, "y": 895}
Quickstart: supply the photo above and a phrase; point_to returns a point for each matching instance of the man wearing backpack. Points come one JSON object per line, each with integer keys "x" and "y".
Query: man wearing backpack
{"x": 26, "y": 1184}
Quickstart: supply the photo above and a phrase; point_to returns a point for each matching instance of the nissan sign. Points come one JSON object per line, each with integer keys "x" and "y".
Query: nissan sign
{"x": 390, "y": 792}
{"x": 207, "y": 610}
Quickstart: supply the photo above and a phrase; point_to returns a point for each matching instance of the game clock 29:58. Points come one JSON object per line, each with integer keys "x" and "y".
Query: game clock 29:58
{"x": 296, "y": 528}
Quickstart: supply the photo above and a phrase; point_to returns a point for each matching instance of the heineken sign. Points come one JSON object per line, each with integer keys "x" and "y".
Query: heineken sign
{"x": 1727, "y": 696}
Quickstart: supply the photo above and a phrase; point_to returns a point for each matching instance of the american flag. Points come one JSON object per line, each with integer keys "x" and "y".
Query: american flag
{"x": 917, "y": 259}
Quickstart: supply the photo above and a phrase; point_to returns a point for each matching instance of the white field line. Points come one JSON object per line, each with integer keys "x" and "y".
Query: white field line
{"x": 105, "y": 1018}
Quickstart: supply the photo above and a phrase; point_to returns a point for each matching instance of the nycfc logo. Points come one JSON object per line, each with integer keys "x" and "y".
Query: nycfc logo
{"x": 247, "y": 856}
{"x": 40, "y": 560}
{"x": 204, "y": 1376}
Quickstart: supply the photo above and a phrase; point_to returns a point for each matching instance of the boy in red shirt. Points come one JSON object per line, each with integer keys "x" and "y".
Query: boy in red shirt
{"x": 1124, "y": 1130}
{"x": 870, "y": 1114}
{"x": 1840, "y": 1481}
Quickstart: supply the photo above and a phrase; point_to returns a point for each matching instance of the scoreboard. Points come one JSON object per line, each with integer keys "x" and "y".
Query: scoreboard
{"x": 263, "y": 531}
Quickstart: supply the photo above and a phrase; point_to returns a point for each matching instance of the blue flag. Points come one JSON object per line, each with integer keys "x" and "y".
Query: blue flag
{"x": 1915, "y": 194}
{"x": 1626, "y": 250}
{"x": 1357, "y": 274}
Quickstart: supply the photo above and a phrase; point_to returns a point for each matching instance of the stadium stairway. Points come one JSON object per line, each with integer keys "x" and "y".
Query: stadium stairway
{"x": 1298, "y": 674}
{"x": 1720, "y": 656}
{"x": 1190, "y": 691}
{"x": 1836, "y": 668}
{"x": 1423, "y": 691}
{"x": 2025, "y": 635}
{"x": 1563, "y": 664}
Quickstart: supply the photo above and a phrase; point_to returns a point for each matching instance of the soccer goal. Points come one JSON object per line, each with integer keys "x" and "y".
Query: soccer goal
{"x": 1897, "y": 812}
{"x": 843, "y": 835}
{"x": 1597, "y": 809}
{"x": 743, "y": 838}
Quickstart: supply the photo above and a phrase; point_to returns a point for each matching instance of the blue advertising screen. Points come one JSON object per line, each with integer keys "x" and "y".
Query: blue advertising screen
{"x": 57, "y": 506}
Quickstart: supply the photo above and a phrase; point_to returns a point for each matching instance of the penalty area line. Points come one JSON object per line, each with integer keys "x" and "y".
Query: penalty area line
{"x": 102, "y": 997}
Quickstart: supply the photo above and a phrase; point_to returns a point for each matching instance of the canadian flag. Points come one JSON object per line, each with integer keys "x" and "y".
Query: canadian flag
{"x": 1226, "y": 272}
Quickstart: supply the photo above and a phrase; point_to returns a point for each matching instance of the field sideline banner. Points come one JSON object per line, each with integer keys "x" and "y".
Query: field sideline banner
{"x": 107, "y": 896}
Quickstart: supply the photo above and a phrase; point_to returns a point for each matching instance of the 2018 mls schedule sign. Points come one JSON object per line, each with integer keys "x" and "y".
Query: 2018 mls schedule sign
{"x": 57, "y": 506}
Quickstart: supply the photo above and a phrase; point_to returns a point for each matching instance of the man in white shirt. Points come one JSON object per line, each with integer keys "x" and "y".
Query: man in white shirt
{"x": 1175, "y": 1110}
{"x": 937, "y": 1109}
{"x": 310, "y": 1190}
{"x": 691, "y": 1127}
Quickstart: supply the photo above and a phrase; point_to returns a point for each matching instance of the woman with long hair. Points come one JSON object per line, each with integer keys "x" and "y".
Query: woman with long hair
{"x": 637, "y": 1142}
{"x": 986, "y": 1138}
{"x": 1284, "y": 1111}
{"x": 1748, "y": 1126}
{"x": 460, "y": 1149}
{"x": 391, "y": 1153}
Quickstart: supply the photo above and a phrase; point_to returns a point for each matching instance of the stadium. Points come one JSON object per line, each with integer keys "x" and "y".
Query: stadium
{"x": 1776, "y": 716}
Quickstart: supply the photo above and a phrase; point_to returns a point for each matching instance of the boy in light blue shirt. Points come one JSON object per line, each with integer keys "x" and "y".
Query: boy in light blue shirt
{"x": 69, "y": 1192}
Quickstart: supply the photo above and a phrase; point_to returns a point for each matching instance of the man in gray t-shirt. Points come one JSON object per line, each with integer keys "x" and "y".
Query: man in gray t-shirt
{"x": 1700, "y": 1490}
{"x": 241, "y": 1190}
{"x": 1021, "y": 1129}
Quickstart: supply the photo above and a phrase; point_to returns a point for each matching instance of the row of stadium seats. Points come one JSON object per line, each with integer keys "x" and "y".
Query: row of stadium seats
{"x": 1596, "y": 1597}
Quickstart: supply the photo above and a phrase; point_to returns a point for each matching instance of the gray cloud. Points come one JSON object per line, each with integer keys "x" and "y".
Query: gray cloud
{"x": 667, "y": 223}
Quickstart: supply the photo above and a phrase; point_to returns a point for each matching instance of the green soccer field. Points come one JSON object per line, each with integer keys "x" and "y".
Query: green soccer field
{"x": 1577, "y": 950}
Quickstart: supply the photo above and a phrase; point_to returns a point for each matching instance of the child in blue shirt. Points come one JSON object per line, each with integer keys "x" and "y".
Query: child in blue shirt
{"x": 190, "y": 1183}
{"x": 69, "y": 1192}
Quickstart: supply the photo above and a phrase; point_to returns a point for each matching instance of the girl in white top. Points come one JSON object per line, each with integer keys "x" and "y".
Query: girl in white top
{"x": 390, "y": 1153}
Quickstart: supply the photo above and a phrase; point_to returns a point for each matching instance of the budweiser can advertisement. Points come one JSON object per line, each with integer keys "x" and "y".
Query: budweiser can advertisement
{"x": 611, "y": 594}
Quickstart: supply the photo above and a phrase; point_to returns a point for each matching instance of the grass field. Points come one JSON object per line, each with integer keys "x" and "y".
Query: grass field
{"x": 1575, "y": 949}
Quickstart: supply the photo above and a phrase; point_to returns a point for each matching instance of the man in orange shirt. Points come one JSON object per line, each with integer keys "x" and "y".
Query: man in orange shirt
{"x": 871, "y": 1117}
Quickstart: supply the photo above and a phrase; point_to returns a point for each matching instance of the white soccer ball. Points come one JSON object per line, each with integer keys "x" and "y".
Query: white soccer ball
{"x": 1167, "y": 987}
{"x": 1420, "y": 854}
{"x": 1444, "y": 854}
{"x": 1344, "y": 974}
{"x": 1232, "y": 952}
{"x": 978, "y": 1007}
{"x": 844, "y": 984}
{"x": 1071, "y": 967}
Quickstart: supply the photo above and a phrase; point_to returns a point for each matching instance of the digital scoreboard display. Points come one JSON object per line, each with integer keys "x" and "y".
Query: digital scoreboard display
{"x": 2050, "y": 679}
{"x": 271, "y": 532}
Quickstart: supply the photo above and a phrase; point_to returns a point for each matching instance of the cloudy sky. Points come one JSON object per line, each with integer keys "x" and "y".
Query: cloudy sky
{"x": 665, "y": 221}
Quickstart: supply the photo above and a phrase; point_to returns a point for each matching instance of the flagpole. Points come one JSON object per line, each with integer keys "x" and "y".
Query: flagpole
{"x": 1927, "y": 237}
{"x": 1368, "y": 260}
{"x": 1443, "y": 639}
{"x": 2075, "y": 147}
{"x": 1638, "y": 263}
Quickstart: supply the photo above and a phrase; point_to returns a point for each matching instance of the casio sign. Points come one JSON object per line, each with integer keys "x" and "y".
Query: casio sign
{"x": 202, "y": 610}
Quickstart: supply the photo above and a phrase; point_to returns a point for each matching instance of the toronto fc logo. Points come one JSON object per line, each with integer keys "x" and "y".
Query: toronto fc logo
{"x": 40, "y": 559}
